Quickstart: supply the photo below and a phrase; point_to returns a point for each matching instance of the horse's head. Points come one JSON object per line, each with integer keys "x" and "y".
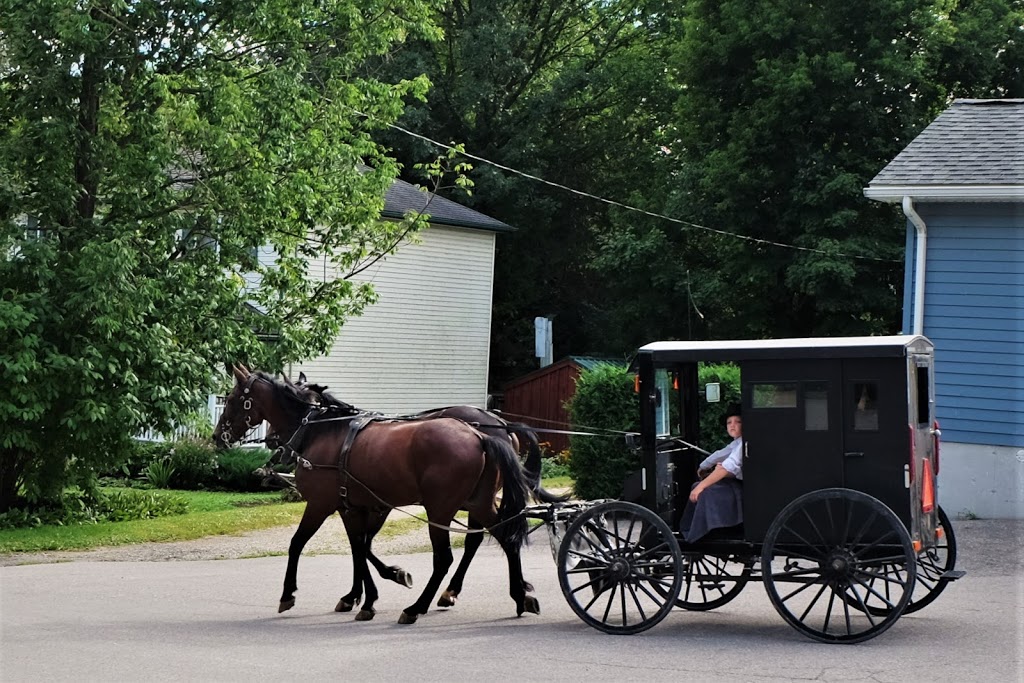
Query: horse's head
{"x": 245, "y": 407}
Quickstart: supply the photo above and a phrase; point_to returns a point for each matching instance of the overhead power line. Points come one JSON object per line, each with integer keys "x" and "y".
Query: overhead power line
{"x": 621, "y": 205}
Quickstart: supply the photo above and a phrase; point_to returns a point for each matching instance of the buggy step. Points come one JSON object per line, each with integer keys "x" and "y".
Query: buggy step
{"x": 952, "y": 575}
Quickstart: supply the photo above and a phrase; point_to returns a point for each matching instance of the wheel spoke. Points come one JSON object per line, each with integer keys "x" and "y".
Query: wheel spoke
{"x": 807, "y": 516}
{"x": 828, "y": 610}
{"x": 636, "y": 601}
{"x": 798, "y": 590}
{"x": 589, "y": 584}
{"x": 860, "y": 602}
{"x": 786, "y": 527}
{"x": 870, "y": 590}
{"x": 813, "y": 602}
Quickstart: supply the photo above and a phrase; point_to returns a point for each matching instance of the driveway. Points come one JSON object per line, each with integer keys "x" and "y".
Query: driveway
{"x": 216, "y": 620}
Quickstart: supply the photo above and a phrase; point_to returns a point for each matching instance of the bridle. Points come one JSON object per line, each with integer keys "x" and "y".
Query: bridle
{"x": 225, "y": 435}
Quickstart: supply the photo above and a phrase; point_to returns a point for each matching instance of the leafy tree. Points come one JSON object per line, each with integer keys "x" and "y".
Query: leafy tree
{"x": 785, "y": 112}
{"x": 152, "y": 148}
{"x": 983, "y": 54}
{"x": 569, "y": 91}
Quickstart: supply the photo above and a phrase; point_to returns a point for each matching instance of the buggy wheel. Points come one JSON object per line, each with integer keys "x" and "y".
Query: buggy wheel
{"x": 710, "y": 581}
{"x": 830, "y": 551}
{"x": 931, "y": 565}
{"x": 619, "y": 568}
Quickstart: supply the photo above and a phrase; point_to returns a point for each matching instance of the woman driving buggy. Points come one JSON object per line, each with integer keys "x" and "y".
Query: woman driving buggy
{"x": 716, "y": 499}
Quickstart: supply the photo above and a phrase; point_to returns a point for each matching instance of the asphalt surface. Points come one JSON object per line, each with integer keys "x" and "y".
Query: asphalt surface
{"x": 218, "y": 621}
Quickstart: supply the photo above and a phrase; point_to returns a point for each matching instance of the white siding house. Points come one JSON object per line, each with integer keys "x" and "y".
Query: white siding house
{"x": 426, "y": 342}
{"x": 961, "y": 185}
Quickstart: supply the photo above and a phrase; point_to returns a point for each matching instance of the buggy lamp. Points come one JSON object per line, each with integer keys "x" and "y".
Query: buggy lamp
{"x": 713, "y": 392}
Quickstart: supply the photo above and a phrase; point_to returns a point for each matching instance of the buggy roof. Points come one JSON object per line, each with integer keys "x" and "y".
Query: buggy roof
{"x": 800, "y": 348}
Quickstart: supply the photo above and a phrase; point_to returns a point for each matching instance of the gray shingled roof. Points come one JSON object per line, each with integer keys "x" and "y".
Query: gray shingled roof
{"x": 402, "y": 197}
{"x": 973, "y": 143}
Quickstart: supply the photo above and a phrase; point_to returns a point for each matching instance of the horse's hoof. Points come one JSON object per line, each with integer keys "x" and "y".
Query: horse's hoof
{"x": 531, "y": 605}
{"x": 286, "y": 605}
{"x": 366, "y": 614}
{"x": 404, "y": 578}
{"x": 346, "y": 605}
{"x": 406, "y": 618}
{"x": 447, "y": 599}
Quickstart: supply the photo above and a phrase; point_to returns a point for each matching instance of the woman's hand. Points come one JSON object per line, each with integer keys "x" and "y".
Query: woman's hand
{"x": 695, "y": 493}
{"x": 717, "y": 475}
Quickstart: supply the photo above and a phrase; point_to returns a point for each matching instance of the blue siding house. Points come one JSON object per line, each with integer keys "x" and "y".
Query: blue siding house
{"x": 961, "y": 187}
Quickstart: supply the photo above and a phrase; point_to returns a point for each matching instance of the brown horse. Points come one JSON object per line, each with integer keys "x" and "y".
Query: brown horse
{"x": 519, "y": 435}
{"x": 442, "y": 464}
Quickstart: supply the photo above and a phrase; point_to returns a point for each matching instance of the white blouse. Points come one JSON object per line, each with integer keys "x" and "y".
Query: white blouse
{"x": 731, "y": 458}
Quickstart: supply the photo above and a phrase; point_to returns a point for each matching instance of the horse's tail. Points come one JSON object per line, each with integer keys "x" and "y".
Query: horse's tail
{"x": 512, "y": 526}
{"x": 532, "y": 466}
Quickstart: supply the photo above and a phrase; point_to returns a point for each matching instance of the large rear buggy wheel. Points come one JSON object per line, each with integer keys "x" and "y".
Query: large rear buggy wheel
{"x": 932, "y": 564}
{"x": 710, "y": 581}
{"x": 619, "y": 568}
{"x": 829, "y": 552}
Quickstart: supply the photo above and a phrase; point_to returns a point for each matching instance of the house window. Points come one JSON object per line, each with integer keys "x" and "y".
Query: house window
{"x": 816, "y": 406}
{"x": 773, "y": 395}
{"x": 865, "y": 406}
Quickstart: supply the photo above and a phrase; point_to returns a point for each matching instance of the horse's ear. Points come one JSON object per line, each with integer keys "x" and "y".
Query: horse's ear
{"x": 240, "y": 373}
{"x": 285, "y": 377}
{"x": 246, "y": 370}
{"x": 302, "y": 378}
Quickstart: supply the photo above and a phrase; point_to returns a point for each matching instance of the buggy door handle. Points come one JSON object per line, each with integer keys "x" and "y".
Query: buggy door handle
{"x": 854, "y": 454}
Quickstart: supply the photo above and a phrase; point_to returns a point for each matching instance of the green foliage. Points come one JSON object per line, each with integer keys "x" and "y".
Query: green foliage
{"x": 236, "y": 467}
{"x": 76, "y": 507}
{"x": 193, "y": 463}
{"x": 569, "y": 90}
{"x": 712, "y": 415}
{"x": 121, "y": 505}
{"x": 555, "y": 467}
{"x": 159, "y": 473}
{"x": 604, "y": 399}
{"x": 176, "y": 164}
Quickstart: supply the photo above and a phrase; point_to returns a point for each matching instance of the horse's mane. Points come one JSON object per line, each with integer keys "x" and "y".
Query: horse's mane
{"x": 310, "y": 394}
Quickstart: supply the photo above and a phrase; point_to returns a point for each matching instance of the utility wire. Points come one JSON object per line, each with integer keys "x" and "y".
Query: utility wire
{"x": 612, "y": 202}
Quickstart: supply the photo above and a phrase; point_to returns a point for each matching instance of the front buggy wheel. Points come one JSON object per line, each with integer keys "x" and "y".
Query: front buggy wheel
{"x": 619, "y": 568}
{"x": 827, "y": 554}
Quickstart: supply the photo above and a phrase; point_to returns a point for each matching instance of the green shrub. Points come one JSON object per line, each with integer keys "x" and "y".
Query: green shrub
{"x": 552, "y": 467}
{"x": 141, "y": 455}
{"x": 106, "y": 505}
{"x": 604, "y": 399}
{"x": 236, "y": 467}
{"x": 122, "y": 505}
{"x": 159, "y": 473}
{"x": 194, "y": 463}
{"x": 712, "y": 415}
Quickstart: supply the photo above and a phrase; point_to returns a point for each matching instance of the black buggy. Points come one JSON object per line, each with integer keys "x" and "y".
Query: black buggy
{"x": 840, "y": 483}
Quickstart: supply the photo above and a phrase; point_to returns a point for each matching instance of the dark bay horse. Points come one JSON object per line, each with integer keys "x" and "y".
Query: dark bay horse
{"x": 442, "y": 464}
{"x": 521, "y": 436}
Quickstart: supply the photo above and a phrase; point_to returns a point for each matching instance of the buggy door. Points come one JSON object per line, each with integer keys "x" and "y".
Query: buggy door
{"x": 876, "y": 446}
{"x": 792, "y": 435}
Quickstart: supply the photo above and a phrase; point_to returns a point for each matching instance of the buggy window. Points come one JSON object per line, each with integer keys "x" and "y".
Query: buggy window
{"x": 923, "y": 395}
{"x": 865, "y": 406}
{"x": 663, "y": 382}
{"x": 773, "y": 395}
{"x": 816, "y": 406}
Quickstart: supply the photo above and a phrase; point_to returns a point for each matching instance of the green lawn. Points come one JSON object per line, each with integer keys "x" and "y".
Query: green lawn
{"x": 210, "y": 514}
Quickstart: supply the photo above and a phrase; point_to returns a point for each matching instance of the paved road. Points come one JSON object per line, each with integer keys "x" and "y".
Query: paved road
{"x": 217, "y": 621}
